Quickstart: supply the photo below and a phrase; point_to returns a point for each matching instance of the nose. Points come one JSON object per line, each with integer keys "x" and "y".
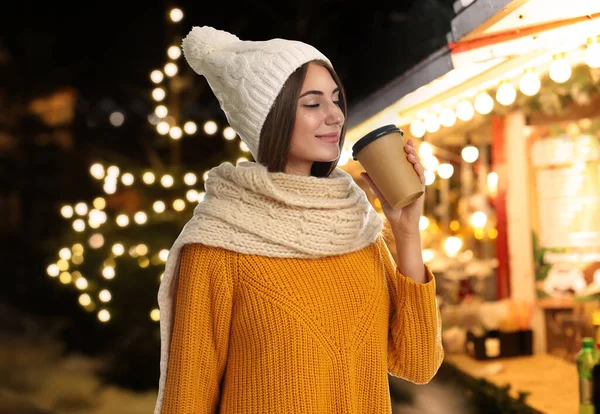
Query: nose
{"x": 335, "y": 115}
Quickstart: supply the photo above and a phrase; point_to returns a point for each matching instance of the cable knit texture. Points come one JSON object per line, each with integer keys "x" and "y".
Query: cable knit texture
{"x": 284, "y": 335}
{"x": 248, "y": 209}
{"x": 245, "y": 76}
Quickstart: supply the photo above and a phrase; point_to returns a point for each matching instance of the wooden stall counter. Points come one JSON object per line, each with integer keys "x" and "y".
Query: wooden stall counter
{"x": 551, "y": 381}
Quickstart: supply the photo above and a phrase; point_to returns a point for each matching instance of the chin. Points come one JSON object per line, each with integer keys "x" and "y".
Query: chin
{"x": 326, "y": 156}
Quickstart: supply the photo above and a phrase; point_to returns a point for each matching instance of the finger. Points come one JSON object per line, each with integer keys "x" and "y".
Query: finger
{"x": 420, "y": 172}
{"x": 410, "y": 142}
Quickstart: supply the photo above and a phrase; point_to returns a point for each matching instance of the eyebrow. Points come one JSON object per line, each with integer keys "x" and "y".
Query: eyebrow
{"x": 317, "y": 92}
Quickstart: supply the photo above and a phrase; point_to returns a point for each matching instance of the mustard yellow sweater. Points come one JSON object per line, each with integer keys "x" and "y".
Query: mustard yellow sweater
{"x": 261, "y": 335}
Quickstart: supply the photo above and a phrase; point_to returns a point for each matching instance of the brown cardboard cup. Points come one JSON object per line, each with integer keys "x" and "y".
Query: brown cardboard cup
{"x": 381, "y": 153}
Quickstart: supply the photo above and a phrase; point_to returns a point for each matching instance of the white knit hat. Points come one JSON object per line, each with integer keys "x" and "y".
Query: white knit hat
{"x": 245, "y": 76}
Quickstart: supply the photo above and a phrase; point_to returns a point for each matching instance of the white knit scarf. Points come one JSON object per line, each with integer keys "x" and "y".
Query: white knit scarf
{"x": 250, "y": 210}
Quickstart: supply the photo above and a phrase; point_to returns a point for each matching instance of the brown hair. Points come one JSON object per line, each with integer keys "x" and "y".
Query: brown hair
{"x": 276, "y": 132}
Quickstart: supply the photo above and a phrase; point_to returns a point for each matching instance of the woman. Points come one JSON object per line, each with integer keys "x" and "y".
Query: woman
{"x": 280, "y": 294}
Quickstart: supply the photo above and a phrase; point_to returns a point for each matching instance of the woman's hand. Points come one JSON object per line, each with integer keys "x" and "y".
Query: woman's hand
{"x": 405, "y": 220}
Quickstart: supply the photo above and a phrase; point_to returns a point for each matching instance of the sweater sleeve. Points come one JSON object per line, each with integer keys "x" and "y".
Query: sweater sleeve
{"x": 200, "y": 338}
{"x": 415, "y": 350}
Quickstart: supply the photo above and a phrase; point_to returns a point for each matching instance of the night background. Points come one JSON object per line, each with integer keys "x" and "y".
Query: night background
{"x": 75, "y": 90}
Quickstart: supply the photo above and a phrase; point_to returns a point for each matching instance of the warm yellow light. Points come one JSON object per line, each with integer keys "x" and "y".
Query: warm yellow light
{"x": 63, "y": 265}
{"x": 452, "y": 245}
{"x": 64, "y": 253}
{"x": 141, "y": 249}
{"x": 190, "y": 178}
{"x": 81, "y": 283}
{"x": 245, "y": 148}
{"x": 190, "y": 127}
{"x": 241, "y": 159}
{"x": 140, "y": 217}
{"x": 148, "y": 178}
{"x": 122, "y": 220}
{"x": 192, "y": 196}
{"x": 116, "y": 118}
{"x": 156, "y": 76}
{"x": 81, "y": 209}
{"x": 77, "y": 259}
{"x": 84, "y": 299}
{"x": 110, "y": 187}
{"x": 447, "y": 117}
{"x": 163, "y": 128}
{"x": 423, "y": 223}
{"x": 127, "y": 179}
{"x": 108, "y": 272}
{"x": 484, "y": 104}
{"x": 228, "y": 133}
{"x": 143, "y": 262}
{"x": 210, "y": 128}
{"x": 506, "y": 94}
{"x": 159, "y": 206}
{"x": 163, "y": 254}
{"x": 176, "y": 15}
{"x": 118, "y": 249}
{"x": 96, "y": 241}
{"x": 175, "y": 132}
{"x": 97, "y": 171}
{"x": 155, "y": 315}
{"x": 417, "y": 128}
{"x": 492, "y": 182}
{"x": 492, "y": 233}
{"x": 178, "y": 205}
{"x": 104, "y": 315}
{"x": 425, "y": 150}
{"x": 478, "y": 219}
{"x": 161, "y": 111}
{"x": 79, "y": 225}
{"x": 591, "y": 55}
{"x": 65, "y": 278}
{"x": 445, "y": 170}
{"x": 431, "y": 163}
{"x": 530, "y": 83}
{"x": 66, "y": 211}
{"x": 171, "y": 69}
{"x": 77, "y": 248}
{"x": 465, "y": 111}
{"x": 478, "y": 233}
{"x": 99, "y": 203}
{"x": 470, "y": 154}
{"x": 201, "y": 196}
{"x": 205, "y": 175}
{"x": 174, "y": 52}
{"x": 429, "y": 177}
{"x": 113, "y": 171}
{"x": 53, "y": 270}
{"x": 166, "y": 180}
{"x": 432, "y": 123}
{"x": 158, "y": 94}
{"x": 454, "y": 225}
{"x": 105, "y": 295}
{"x": 560, "y": 70}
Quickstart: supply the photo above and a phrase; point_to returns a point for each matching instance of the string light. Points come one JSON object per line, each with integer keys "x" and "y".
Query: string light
{"x": 423, "y": 223}
{"x": 560, "y": 70}
{"x": 79, "y": 225}
{"x": 431, "y": 163}
{"x": 155, "y": 315}
{"x": 229, "y": 133}
{"x": 178, "y": 205}
{"x": 104, "y": 315}
{"x": 245, "y": 148}
{"x": 158, "y": 94}
{"x": 478, "y": 219}
{"x": 210, "y": 128}
{"x": 465, "y": 111}
{"x": 591, "y": 55}
{"x": 161, "y": 111}
{"x": 156, "y": 76}
{"x": 190, "y": 127}
{"x": 470, "y": 154}
{"x": 432, "y": 123}
{"x": 118, "y": 249}
{"x": 445, "y": 170}
{"x": 190, "y": 178}
{"x": 84, "y": 299}
{"x": 452, "y": 245}
{"x": 166, "y": 180}
{"x": 81, "y": 209}
{"x": 171, "y": 69}
{"x": 175, "y": 132}
{"x": 425, "y": 150}
{"x": 66, "y": 211}
{"x": 148, "y": 177}
{"x": 163, "y": 128}
{"x": 116, "y": 119}
{"x": 97, "y": 171}
{"x": 104, "y": 295}
{"x": 53, "y": 270}
{"x": 159, "y": 206}
{"x": 108, "y": 272}
{"x": 176, "y": 15}
{"x": 122, "y": 220}
{"x": 127, "y": 179}
{"x": 447, "y": 117}
{"x": 96, "y": 241}
{"x": 99, "y": 203}
{"x": 506, "y": 94}
{"x": 484, "y": 104}
{"x": 140, "y": 217}
{"x": 174, "y": 52}
{"x": 417, "y": 128}
{"x": 530, "y": 83}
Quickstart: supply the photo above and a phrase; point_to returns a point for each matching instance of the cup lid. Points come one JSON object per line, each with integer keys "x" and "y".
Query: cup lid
{"x": 372, "y": 136}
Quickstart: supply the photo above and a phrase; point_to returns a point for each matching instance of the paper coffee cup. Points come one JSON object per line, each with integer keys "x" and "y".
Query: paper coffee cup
{"x": 381, "y": 153}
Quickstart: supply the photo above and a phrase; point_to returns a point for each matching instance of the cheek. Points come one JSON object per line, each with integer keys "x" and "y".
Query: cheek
{"x": 305, "y": 128}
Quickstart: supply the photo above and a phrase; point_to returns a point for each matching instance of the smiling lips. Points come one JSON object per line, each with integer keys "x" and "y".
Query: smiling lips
{"x": 333, "y": 137}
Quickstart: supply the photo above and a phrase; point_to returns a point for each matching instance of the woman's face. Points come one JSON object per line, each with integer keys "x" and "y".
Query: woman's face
{"x": 319, "y": 121}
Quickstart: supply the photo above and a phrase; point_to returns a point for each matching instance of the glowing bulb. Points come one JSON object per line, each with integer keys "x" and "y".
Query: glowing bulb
{"x": 122, "y": 220}
{"x": 127, "y": 179}
{"x": 105, "y": 295}
{"x": 175, "y": 132}
{"x": 560, "y": 70}
{"x": 163, "y": 255}
{"x": 417, "y": 128}
{"x": 447, "y": 117}
{"x": 470, "y": 153}
{"x": 210, "y": 127}
{"x": 178, "y": 205}
{"x": 445, "y": 170}
{"x": 140, "y": 217}
{"x": 99, "y": 203}
{"x": 190, "y": 128}
{"x": 79, "y": 225}
{"x": 113, "y": 171}
{"x": 492, "y": 182}
{"x": 81, "y": 283}
{"x": 161, "y": 111}
{"x": 148, "y": 178}
{"x": 65, "y": 253}
{"x": 97, "y": 171}
{"x": 192, "y": 196}
{"x": 425, "y": 150}
{"x": 190, "y": 179}
{"x": 423, "y": 223}
{"x": 118, "y": 249}
{"x": 592, "y": 55}
{"x": 156, "y": 76}
{"x": 166, "y": 180}
{"x": 116, "y": 119}
{"x": 155, "y": 315}
{"x": 429, "y": 177}
{"x": 141, "y": 250}
{"x": 81, "y": 209}
{"x": 478, "y": 219}
{"x": 431, "y": 163}
{"x": 484, "y": 103}
{"x": 228, "y": 133}
{"x": 108, "y": 272}
{"x": 432, "y": 123}
{"x": 506, "y": 94}
{"x": 176, "y": 15}
{"x": 174, "y": 52}
{"x": 84, "y": 299}
{"x": 159, "y": 206}
{"x": 452, "y": 246}
{"x": 104, "y": 315}
{"x": 205, "y": 175}
{"x": 245, "y": 148}
{"x": 163, "y": 128}
{"x": 171, "y": 69}
{"x": 530, "y": 84}
{"x": 53, "y": 270}
{"x": 96, "y": 241}
{"x": 66, "y": 211}
{"x": 465, "y": 111}
{"x": 158, "y": 94}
